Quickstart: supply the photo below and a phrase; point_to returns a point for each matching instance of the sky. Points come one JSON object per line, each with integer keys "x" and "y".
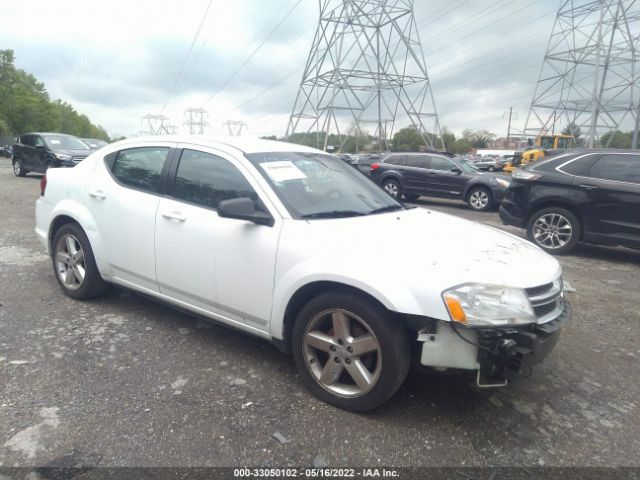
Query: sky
{"x": 116, "y": 61}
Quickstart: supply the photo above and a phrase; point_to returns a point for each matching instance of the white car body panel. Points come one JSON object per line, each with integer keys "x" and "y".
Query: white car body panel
{"x": 245, "y": 274}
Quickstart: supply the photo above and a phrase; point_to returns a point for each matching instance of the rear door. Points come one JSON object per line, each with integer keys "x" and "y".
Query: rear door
{"x": 123, "y": 197}
{"x": 442, "y": 181}
{"x": 415, "y": 173}
{"x": 613, "y": 192}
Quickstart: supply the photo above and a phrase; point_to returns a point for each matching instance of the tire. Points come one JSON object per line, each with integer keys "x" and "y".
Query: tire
{"x": 386, "y": 359}
{"x": 18, "y": 170}
{"x": 392, "y": 187}
{"x": 492, "y": 169}
{"x": 412, "y": 197}
{"x": 69, "y": 241}
{"x": 556, "y": 230}
{"x": 480, "y": 199}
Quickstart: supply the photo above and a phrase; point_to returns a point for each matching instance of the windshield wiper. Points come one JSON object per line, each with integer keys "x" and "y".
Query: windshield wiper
{"x": 334, "y": 214}
{"x": 388, "y": 208}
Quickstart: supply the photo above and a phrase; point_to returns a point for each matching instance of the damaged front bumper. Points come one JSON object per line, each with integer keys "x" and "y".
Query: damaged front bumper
{"x": 499, "y": 355}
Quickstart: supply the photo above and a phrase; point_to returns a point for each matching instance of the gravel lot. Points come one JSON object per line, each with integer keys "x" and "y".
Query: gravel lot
{"x": 124, "y": 381}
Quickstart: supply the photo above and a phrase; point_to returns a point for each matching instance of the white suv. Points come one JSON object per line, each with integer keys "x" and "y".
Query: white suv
{"x": 293, "y": 245}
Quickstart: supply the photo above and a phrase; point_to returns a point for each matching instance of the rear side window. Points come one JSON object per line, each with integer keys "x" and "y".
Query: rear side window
{"x": 140, "y": 168}
{"x": 580, "y": 167}
{"x": 439, "y": 163}
{"x": 206, "y": 179}
{"x": 395, "y": 160}
{"x": 621, "y": 168}
{"x": 419, "y": 161}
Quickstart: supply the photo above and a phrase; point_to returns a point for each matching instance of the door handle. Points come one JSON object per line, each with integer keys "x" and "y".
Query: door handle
{"x": 99, "y": 194}
{"x": 174, "y": 216}
{"x": 588, "y": 187}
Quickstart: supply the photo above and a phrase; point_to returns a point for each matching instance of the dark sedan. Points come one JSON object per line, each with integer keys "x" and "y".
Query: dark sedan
{"x": 591, "y": 196}
{"x": 438, "y": 175}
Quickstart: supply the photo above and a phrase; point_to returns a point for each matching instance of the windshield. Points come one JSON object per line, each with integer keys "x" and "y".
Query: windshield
{"x": 314, "y": 185}
{"x": 66, "y": 142}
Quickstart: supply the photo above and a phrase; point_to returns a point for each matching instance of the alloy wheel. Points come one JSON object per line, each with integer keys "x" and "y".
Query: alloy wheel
{"x": 552, "y": 230}
{"x": 69, "y": 260}
{"x": 342, "y": 353}
{"x": 479, "y": 199}
{"x": 391, "y": 188}
{"x": 16, "y": 167}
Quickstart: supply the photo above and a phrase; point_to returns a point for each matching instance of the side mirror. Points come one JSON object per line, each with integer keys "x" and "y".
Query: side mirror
{"x": 456, "y": 170}
{"x": 243, "y": 208}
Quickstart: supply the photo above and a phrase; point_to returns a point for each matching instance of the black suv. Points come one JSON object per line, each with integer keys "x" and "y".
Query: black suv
{"x": 438, "y": 174}
{"x": 582, "y": 195}
{"x": 35, "y": 152}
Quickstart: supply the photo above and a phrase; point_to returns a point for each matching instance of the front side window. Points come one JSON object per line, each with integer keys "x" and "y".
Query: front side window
{"x": 439, "y": 163}
{"x": 206, "y": 179}
{"x": 140, "y": 168}
{"x": 27, "y": 140}
{"x": 315, "y": 185}
{"x": 38, "y": 142}
{"x": 621, "y": 168}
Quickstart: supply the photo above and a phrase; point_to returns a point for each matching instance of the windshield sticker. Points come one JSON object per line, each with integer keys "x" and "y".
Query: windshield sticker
{"x": 53, "y": 141}
{"x": 282, "y": 171}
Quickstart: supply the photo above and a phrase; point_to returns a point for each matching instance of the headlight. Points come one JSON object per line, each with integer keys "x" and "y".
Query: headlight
{"x": 63, "y": 156}
{"x": 503, "y": 182}
{"x": 477, "y": 305}
{"x": 524, "y": 175}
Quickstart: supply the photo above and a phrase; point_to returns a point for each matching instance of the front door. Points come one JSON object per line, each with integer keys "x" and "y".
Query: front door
{"x": 442, "y": 180}
{"x": 223, "y": 267}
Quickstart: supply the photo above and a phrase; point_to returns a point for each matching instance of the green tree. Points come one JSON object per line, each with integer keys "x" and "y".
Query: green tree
{"x": 449, "y": 140}
{"x": 480, "y": 138}
{"x": 407, "y": 140}
{"x": 573, "y": 129}
{"x": 462, "y": 145}
{"x": 616, "y": 139}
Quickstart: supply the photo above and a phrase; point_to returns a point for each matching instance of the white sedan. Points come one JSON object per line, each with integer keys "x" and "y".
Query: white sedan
{"x": 293, "y": 245}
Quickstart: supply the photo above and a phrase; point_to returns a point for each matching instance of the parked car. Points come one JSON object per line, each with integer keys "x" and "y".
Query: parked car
{"x": 438, "y": 175}
{"x": 94, "y": 143}
{"x": 36, "y": 152}
{"x": 492, "y": 164}
{"x": 590, "y": 196}
{"x": 6, "y": 151}
{"x": 253, "y": 234}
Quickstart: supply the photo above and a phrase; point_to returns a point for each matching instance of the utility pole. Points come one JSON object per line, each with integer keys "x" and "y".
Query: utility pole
{"x": 365, "y": 66}
{"x": 509, "y": 124}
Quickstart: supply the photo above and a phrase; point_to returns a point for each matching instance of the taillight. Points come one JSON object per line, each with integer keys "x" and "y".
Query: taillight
{"x": 375, "y": 166}
{"x": 43, "y": 185}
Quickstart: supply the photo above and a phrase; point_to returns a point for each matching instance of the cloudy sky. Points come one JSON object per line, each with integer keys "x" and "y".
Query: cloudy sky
{"x": 116, "y": 61}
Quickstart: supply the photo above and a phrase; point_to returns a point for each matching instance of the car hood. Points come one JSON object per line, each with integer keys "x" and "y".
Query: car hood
{"x": 74, "y": 153}
{"x": 416, "y": 251}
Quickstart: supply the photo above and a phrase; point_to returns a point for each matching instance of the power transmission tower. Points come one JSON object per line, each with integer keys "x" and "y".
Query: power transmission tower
{"x": 234, "y": 127}
{"x": 589, "y": 75}
{"x": 365, "y": 66}
{"x": 158, "y": 125}
{"x": 196, "y": 120}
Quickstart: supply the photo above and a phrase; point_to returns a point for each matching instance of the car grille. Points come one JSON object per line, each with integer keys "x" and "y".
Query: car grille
{"x": 547, "y": 300}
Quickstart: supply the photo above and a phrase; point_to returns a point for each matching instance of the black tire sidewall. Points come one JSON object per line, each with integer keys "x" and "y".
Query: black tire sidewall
{"x": 576, "y": 229}
{"x": 23, "y": 172}
{"x": 394, "y": 344}
{"x": 93, "y": 284}
{"x": 481, "y": 189}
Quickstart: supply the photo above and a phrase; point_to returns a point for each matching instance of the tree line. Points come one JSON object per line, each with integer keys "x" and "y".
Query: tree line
{"x": 25, "y": 106}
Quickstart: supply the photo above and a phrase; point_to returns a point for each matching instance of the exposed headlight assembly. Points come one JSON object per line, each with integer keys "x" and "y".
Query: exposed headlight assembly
{"x": 63, "y": 156}
{"x": 478, "y": 305}
{"x": 503, "y": 182}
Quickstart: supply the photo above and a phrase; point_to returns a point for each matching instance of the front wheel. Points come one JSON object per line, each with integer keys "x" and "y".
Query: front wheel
{"x": 480, "y": 199}
{"x": 349, "y": 352}
{"x": 556, "y": 230}
{"x": 18, "y": 171}
{"x": 74, "y": 264}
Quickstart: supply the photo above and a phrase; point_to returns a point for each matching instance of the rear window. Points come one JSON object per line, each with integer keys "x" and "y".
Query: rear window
{"x": 581, "y": 166}
{"x": 395, "y": 160}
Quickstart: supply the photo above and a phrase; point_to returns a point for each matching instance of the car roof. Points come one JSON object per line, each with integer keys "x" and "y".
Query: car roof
{"x": 245, "y": 144}
{"x": 49, "y": 133}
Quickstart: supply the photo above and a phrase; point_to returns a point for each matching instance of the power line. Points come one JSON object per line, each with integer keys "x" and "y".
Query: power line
{"x": 186, "y": 58}
{"x": 235, "y": 72}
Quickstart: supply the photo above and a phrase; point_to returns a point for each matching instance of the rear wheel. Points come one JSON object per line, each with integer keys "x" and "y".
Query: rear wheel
{"x": 18, "y": 171}
{"x": 74, "y": 264}
{"x": 392, "y": 187}
{"x": 556, "y": 230}
{"x": 349, "y": 352}
{"x": 480, "y": 199}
